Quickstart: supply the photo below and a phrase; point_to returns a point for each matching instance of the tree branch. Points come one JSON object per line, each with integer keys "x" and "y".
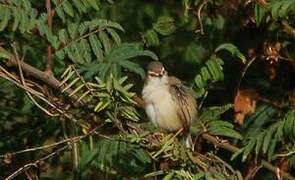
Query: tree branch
{"x": 72, "y": 139}
{"x": 36, "y": 164}
{"x": 232, "y": 148}
{"x": 287, "y": 28}
{"x": 45, "y": 77}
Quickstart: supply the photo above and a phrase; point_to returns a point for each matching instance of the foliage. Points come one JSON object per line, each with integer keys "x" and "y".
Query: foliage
{"x": 72, "y": 71}
{"x": 267, "y": 140}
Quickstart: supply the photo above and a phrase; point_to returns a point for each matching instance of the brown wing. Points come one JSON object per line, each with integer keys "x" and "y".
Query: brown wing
{"x": 186, "y": 103}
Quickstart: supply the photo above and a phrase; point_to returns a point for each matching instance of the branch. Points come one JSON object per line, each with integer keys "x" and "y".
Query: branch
{"x": 73, "y": 139}
{"x": 43, "y": 76}
{"x": 80, "y": 38}
{"x": 232, "y": 148}
{"x": 288, "y": 29}
{"x": 201, "y": 29}
{"x": 36, "y": 164}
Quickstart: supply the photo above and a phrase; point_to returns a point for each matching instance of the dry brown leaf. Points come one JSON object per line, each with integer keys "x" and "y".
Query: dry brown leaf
{"x": 271, "y": 72}
{"x": 271, "y": 52}
{"x": 244, "y": 104}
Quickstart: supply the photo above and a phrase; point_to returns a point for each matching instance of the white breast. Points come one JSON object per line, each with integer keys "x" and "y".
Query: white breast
{"x": 160, "y": 107}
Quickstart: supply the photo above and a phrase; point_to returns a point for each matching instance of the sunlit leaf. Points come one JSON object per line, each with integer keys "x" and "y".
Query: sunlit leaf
{"x": 232, "y": 49}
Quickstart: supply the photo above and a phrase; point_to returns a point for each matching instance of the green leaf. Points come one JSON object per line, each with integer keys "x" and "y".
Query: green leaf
{"x": 199, "y": 81}
{"x": 63, "y": 36}
{"x": 86, "y": 50}
{"x": 114, "y": 35}
{"x": 133, "y": 67}
{"x": 17, "y": 17}
{"x": 289, "y": 124}
{"x": 94, "y": 4}
{"x": 80, "y": 6}
{"x": 127, "y": 51}
{"x": 220, "y": 123}
{"x": 259, "y": 14}
{"x": 267, "y": 139}
{"x": 96, "y": 47}
{"x": 73, "y": 30}
{"x": 88, "y": 156}
{"x": 232, "y": 49}
{"x": 224, "y": 131}
{"x": 83, "y": 27}
{"x": 164, "y": 25}
{"x": 151, "y": 38}
{"x": 32, "y": 19}
{"x": 101, "y": 106}
{"x": 205, "y": 74}
{"x": 5, "y": 18}
{"x": 213, "y": 113}
{"x": 281, "y": 9}
{"x": 105, "y": 41}
{"x": 237, "y": 153}
{"x": 103, "y": 23}
{"x": 142, "y": 156}
{"x": 213, "y": 70}
{"x": 4, "y": 55}
{"x": 41, "y": 24}
{"x": 194, "y": 53}
{"x": 60, "y": 13}
{"x": 259, "y": 142}
{"x": 248, "y": 148}
{"x": 68, "y": 8}
{"x": 271, "y": 149}
{"x": 75, "y": 53}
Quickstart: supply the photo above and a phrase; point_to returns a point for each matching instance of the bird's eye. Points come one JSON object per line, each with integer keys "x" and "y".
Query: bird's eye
{"x": 153, "y": 75}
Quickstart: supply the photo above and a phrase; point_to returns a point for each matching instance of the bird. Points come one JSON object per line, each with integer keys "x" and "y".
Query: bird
{"x": 169, "y": 104}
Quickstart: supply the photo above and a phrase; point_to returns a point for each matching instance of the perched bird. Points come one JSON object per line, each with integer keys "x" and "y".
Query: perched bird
{"x": 168, "y": 103}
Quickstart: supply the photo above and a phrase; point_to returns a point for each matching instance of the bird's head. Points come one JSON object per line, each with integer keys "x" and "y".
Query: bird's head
{"x": 156, "y": 74}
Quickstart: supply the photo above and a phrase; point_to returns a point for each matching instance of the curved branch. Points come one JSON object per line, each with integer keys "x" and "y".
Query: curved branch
{"x": 47, "y": 78}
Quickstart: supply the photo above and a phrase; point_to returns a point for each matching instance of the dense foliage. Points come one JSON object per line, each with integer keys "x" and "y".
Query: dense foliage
{"x": 72, "y": 72}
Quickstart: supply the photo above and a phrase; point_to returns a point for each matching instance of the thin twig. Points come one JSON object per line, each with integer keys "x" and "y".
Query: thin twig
{"x": 203, "y": 100}
{"x": 83, "y": 81}
{"x": 201, "y": 30}
{"x": 285, "y": 154}
{"x": 80, "y": 38}
{"x": 72, "y": 139}
{"x": 14, "y": 79}
{"x": 49, "y": 64}
{"x": 25, "y": 86}
{"x": 46, "y": 78}
{"x": 35, "y": 164}
{"x": 68, "y": 116}
{"x": 287, "y": 59}
{"x": 8, "y": 76}
{"x": 243, "y": 74}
